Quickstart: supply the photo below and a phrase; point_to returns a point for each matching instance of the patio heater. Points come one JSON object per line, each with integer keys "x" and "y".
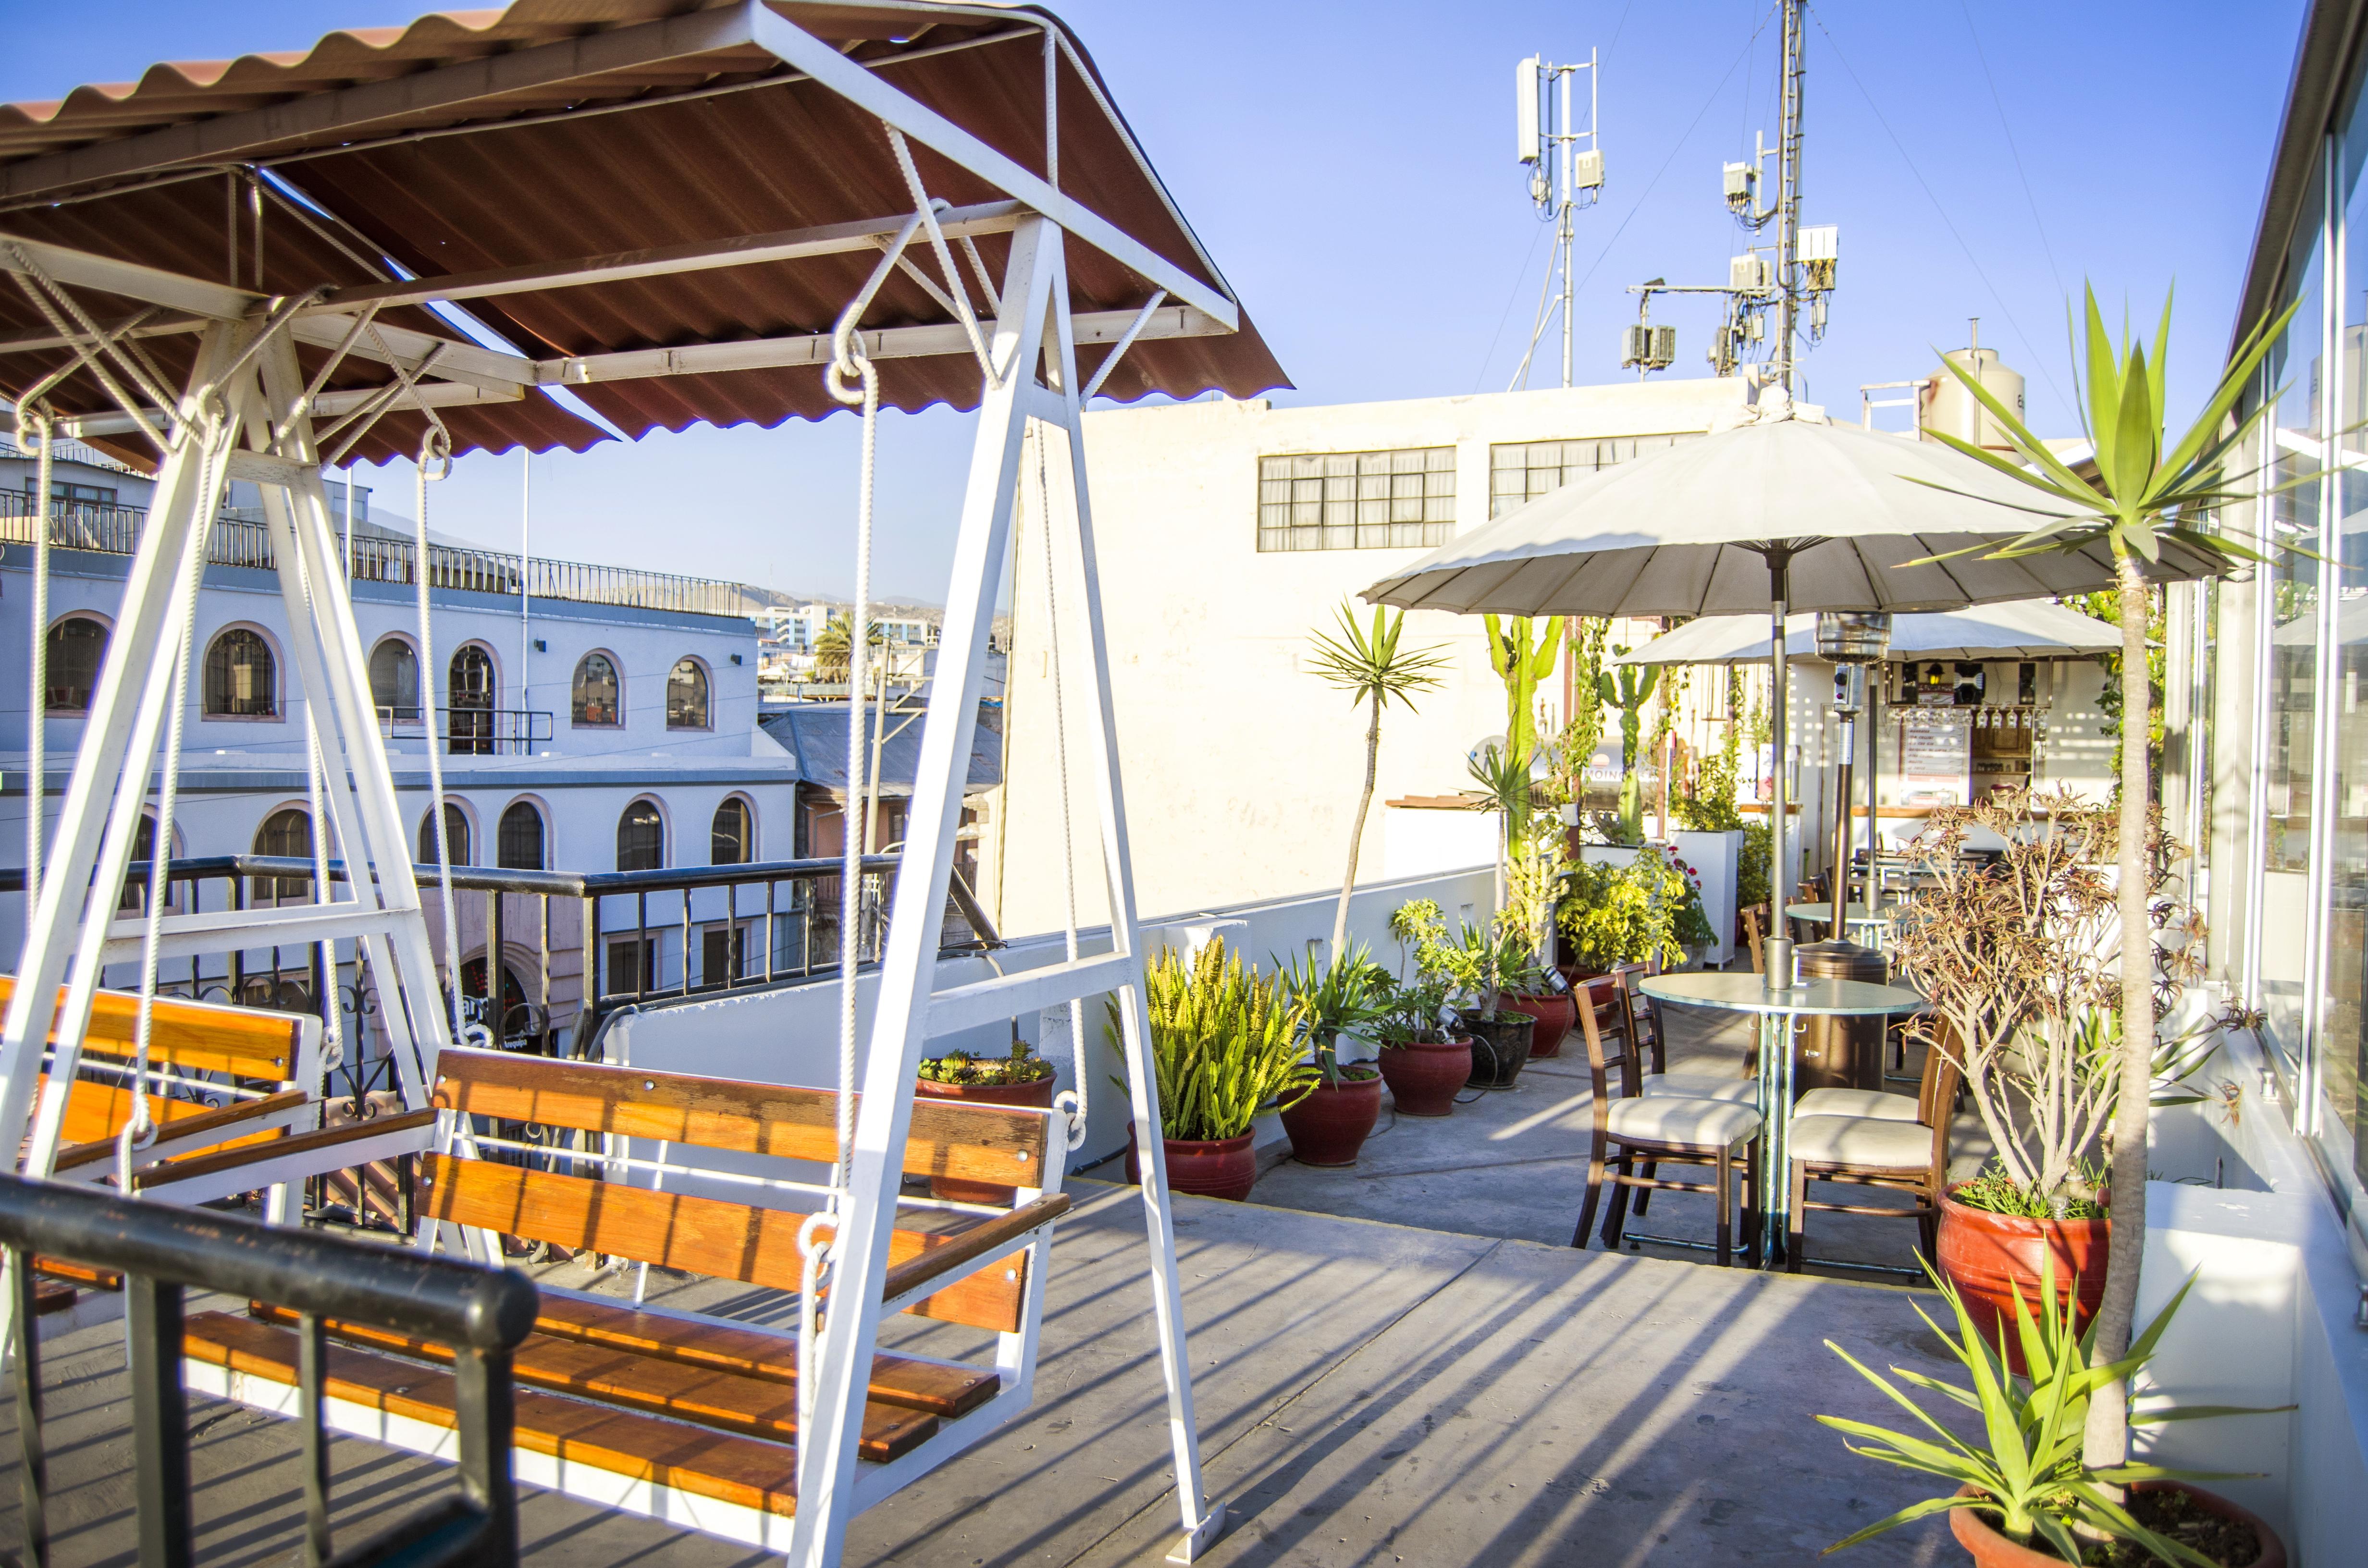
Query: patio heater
{"x": 1846, "y": 1053}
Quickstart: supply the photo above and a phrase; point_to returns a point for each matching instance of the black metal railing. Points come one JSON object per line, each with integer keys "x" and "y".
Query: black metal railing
{"x": 487, "y": 732}
{"x": 163, "y": 1252}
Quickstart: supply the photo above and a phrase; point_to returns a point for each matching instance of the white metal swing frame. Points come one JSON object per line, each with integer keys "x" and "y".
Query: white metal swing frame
{"x": 1031, "y": 375}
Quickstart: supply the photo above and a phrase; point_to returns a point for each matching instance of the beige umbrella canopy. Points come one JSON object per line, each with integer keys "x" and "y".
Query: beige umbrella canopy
{"x": 2037, "y": 628}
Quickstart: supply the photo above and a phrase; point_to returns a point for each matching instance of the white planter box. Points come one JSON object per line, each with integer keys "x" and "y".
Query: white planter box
{"x": 1718, "y": 857}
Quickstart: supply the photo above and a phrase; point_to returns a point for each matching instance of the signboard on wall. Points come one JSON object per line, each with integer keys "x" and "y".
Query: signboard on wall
{"x": 1936, "y": 756}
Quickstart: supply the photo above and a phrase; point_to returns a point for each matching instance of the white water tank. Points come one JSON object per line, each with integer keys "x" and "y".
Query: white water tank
{"x": 1944, "y": 404}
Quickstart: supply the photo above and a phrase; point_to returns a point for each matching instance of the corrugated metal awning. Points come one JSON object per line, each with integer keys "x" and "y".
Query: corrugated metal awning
{"x": 561, "y": 130}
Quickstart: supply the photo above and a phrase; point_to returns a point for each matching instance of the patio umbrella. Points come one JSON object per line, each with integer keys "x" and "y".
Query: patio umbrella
{"x": 1776, "y": 511}
{"x": 2033, "y": 629}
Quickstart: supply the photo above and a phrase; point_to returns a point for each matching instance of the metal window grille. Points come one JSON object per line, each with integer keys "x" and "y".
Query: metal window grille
{"x": 1396, "y": 500}
{"x": 1520, "y": 471}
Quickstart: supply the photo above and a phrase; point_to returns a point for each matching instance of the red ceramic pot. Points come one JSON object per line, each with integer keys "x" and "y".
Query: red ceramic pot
{"x": 1556, "y": 1012}
{"x": 1988, "y": 1257}
{"x": 1223, "y": 1168}
{"x": 1426, "y": 1077}
{"x": 954, "y": 1190}
{"x": 1332, "y": 1123}
{"x": 1991, "y": 1550}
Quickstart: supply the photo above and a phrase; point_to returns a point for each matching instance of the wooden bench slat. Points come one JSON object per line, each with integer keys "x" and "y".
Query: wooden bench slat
{"x": 701, "y": 1235}
{"x": 977, "y": 1241}
{"x": 246, "y": 1154}
{"x": 925, "y": 1386}
{"x": 731, "y": 1469}
{"x": 973, "y": 1142}
{"x": 202, "y": 1037}
{"x": 201, "y": 1122}
{"x": 703, "y": 1396}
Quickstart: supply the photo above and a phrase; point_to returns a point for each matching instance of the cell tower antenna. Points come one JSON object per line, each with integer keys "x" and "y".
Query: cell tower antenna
{"x": 1565, "y": 158}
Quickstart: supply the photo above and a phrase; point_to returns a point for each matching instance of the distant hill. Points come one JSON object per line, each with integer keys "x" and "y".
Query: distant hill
{"x": 761, "y": 597}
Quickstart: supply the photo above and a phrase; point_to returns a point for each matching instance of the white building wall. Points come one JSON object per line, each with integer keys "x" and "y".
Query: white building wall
{"x": 1241, "y": 767}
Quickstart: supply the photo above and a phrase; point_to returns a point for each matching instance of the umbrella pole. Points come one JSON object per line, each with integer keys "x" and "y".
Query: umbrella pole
{"x": 1876, "y": 674}
{"x": 1778, "y": 950}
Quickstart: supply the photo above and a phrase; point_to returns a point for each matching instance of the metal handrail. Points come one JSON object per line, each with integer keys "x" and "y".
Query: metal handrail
{"x": 163, "y": 1251}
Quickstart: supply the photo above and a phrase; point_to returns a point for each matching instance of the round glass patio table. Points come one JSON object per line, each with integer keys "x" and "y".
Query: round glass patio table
{"x": 1779, "y": 1012}
{"x": 1876, "y": 922}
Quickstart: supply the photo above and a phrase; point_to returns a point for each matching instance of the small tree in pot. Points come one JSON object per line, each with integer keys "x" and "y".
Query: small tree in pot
{"x": 1477, "y": 963}
{"x": 2020, "y": 960}
{"x": 1372, "y": 670}
{"x": 1349, "y": 994}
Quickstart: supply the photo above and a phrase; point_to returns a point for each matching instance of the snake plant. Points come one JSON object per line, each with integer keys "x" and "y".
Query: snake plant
{"x": 1225, "y": 1043}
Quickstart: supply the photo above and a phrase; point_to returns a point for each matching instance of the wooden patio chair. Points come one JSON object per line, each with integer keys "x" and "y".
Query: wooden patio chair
{"x": 1755, "y": 931}
{"x": 1878, "y": 1147}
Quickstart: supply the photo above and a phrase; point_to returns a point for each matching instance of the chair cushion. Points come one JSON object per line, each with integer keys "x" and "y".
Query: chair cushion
{"x": 1674, "y": 1118}
{"x": 1865, "y": 1140}
{"x": 1707, "y": 1086}
{"x": 1870, "y": 1103}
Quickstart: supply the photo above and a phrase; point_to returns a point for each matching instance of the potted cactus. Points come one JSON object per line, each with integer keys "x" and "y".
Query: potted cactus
{"x": 1226, "y": 1043}
{"x": 1022, "y": 1078}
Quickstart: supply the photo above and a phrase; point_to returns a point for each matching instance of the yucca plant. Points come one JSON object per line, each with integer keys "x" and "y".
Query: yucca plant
{"x": 2149, "y": 489}
{"x": 1224, "y": 1043}
{"x": 1349, "y": 992}
{"x": 2025, "y": 1467}
{"x": 1373, "y": 669}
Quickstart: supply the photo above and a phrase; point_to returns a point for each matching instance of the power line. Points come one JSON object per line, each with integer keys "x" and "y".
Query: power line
{"x": 1946, "y": 222}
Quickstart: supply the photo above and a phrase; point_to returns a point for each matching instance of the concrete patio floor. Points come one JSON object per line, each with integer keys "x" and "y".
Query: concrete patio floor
{"x": 1368, "y": 1394}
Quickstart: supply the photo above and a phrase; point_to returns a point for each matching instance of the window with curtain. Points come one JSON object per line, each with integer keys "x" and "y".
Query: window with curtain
{"x": 239, "y": 677}
{"x": 518, "y": 846}
{"x": 641, "y": 838}
{"x": 687, "y": 695}
{"x": 77, "y": 646}
{"x": 597, "y": 693}
{"x": 732, "y": 839}
{"x": 456, "y": 832}
{"x": 394, "y": 682}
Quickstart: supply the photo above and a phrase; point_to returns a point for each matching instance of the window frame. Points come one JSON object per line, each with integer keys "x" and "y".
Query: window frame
{"x": 543, "y": 832}
{"x": 1372, "y": 479}
{"x": 105, "y": 643}
{"x": 276, "y": 713}
{"x": 748, "y": 825}
{"x": 706, "y": 695}
{"x": 419, "y": 719}
{"x": 665, "y": 832}
{"x": 574, "y": 685}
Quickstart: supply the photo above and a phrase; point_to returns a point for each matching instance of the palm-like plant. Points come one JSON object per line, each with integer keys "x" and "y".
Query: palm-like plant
{"x": 1224, "y": 1043}
{"x": 1349, "y": 992}
{"x": 2025, "y": 1465}
{"x": 835, "y": 648}
{"x": 2148, "y": 490}
{"x": 1374, "y": 670}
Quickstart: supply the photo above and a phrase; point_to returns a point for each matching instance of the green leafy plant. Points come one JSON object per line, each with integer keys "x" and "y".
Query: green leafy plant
{"x": 1350, "y": 993}
{"x": 835, "y": 648}
{"x": 1225, "y": 1043}
{"x": 2150, "y": 489}
{"x": 1589, "y": 640}
{"x": 1411, "y": 1013}
{"x": 1022, "y": 1066}
{"x": 1752, "y": 885}
{"x": 1616, "y": 915}
{"x": 1476, "y": 961}
{"x": 1710, "y": 805}
{"x": 1374, "y": 670}
{"x": 2024, "y": 1469}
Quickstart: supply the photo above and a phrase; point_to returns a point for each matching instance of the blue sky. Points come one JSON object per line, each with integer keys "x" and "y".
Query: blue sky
{"x": 1350, "y": 168}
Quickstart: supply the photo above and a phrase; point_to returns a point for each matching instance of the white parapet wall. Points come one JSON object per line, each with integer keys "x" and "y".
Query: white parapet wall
{"x": 2272, "y": 1319}
{"x": 791, "y": 1035}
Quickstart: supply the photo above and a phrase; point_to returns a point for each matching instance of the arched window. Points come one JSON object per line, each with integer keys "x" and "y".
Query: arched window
{"x": 518, "y": 842}
{"x": 470, "y": 720}
{"x": 240, "y": 681}
{"x": 394, "y": 682}
{"x": 687, "y": 695}
{"x": 597, "y": 695}
{"x": 289, "y": 832}
{"x": 78, "y": 647}
{"x": 143, "y": 848}
{"x": 641, "y": 838}
{"x": 732, "y": 839}
{"x": 456, "y": 830}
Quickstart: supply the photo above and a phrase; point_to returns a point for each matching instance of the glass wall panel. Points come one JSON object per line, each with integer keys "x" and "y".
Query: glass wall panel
{"x": 2294, "y": 432}
{"x": 2347, "y": 918}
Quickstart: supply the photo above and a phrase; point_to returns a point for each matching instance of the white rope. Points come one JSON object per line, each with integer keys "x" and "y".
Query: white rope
{"x": 850, "y": 359}
{"x": 37, "y": 762}
{"x": 928, "y": 210}
{"x": 436, "y": 448}
{"x": 1077, "y": 1094}
{"x": 332, "y": 1023}
{"x": 139, "y": 1128}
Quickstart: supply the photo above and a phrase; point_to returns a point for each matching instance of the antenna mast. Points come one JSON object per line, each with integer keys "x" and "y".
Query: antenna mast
{"x": 1565, "y": 175}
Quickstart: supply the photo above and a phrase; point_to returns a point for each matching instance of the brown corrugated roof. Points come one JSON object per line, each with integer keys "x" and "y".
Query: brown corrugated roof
{"x": 719, "y": 145}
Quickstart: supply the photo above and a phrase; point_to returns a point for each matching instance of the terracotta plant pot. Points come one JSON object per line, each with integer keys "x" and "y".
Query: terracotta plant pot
{"x": 1500, "y": 1047}
{"x": 1425, "y": 1075}
{"x": 1991, "y": 1550}
{"x": 954, "y": 1190}
{"x": 1556, "y": 1011}
{"x": 1223, "y": 1168}
{"x": 1989, "y": 1257}
{"x": 1331, "y": 1124}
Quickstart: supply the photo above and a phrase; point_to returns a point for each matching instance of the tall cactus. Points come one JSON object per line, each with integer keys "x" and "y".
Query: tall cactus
{"x": 1628, "y": 690}
{"x": 1520, "y": 663}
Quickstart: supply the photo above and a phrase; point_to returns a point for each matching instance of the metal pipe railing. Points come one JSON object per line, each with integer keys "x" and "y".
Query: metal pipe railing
{"x": 163, "y": 1252}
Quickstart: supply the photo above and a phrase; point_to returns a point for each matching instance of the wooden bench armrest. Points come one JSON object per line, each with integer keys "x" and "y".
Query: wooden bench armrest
{"x": 184, "y": 1129}
{"x": 988, "y": 1240}
{"x": 279, "y": 1148}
